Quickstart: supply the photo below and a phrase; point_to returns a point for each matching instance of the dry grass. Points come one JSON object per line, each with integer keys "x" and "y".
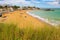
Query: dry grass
{"x": 12, "y": 32}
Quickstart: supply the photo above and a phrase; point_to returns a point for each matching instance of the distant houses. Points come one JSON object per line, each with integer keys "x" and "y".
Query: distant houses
{"x": 6, "y": 8}
{"x": 30, "y": 8}
{"x": 12, "y": 8}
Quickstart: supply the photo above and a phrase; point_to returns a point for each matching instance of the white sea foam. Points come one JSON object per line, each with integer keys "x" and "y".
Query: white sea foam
{"x": 52, "y": 22}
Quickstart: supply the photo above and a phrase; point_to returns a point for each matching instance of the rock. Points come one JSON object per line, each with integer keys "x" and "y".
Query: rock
{"x": 49, "y": 10}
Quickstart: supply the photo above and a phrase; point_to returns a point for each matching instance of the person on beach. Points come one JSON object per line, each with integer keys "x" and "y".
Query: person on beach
{"x": 0, "y": 14}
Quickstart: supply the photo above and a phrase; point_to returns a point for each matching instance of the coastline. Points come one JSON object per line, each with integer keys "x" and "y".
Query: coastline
{"x": 43, "y": 19}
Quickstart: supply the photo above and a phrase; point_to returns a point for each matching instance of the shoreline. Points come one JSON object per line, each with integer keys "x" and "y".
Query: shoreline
{"x": 23, "y": 18}
{"x": 43, "y": 19}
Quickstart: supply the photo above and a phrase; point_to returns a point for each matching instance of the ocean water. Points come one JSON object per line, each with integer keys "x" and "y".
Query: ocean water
{"x": 51, "y": 16}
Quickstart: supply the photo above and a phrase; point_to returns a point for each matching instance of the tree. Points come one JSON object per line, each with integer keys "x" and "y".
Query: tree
{"x": 15, "y": 7}
{"x": 6, "y": 6}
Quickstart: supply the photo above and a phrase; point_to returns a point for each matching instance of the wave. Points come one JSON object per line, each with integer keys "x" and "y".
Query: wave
{"x": 51, "y": 22}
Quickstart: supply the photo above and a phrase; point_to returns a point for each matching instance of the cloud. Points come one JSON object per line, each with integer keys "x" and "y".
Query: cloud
{"x": 12, "y": 1}
{"x": 40, "y": 3}
{"x": 54, "y": 3}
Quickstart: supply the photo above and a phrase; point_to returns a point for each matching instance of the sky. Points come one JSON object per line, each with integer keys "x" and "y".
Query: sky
{"x": 37, "y": 3}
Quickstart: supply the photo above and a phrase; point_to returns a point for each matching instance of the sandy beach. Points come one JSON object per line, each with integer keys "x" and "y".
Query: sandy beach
{"x": 22, "y": 19}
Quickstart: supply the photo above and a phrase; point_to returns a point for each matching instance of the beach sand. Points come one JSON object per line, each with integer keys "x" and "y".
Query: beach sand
{"x": 22, "y": 19}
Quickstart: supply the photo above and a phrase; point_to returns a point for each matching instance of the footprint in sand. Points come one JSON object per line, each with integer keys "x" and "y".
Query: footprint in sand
{"x": 25, "y": 16}
{"x": 21, "y": 13}
{"x": 4, "y": 18}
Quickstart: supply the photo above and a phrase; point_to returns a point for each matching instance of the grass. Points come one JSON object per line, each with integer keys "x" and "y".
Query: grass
{"x": 12, "y": 32}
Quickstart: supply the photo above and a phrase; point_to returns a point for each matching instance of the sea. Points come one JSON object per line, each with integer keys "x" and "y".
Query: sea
{"x": 51, "y": 17}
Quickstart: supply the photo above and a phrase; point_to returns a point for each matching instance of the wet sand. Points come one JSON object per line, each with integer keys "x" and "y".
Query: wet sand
{"x": 22, "y": 19}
